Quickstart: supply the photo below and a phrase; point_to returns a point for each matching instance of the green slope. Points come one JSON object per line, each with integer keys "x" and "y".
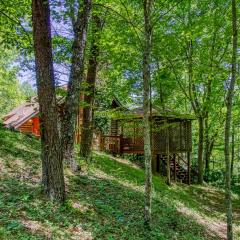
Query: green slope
{"x": 104, "y": 202}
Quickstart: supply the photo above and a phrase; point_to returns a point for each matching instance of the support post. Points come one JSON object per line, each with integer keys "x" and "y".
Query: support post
{"x": 154, "y": 163}
{"x": 189, "y": 167}
{"x": 167, "y": 152}
{"x": 175, "y": 167}
{"x": 121, "y": 145}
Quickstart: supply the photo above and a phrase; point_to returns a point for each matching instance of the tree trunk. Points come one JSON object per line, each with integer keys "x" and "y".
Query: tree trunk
{"x": 200, "y": 149}
{"x": 233, "y": 150}
{"x": 87, "y": 126}
{"x": 229, "y": 100}
{"x": 207, "y": 146}
{"x": 76, "y": 77}
{"x": 51, "y": 154}
{"x": 147, "y": 4}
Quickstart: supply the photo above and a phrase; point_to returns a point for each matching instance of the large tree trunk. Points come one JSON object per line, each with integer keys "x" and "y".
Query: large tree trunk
{"x": 89, "y": 92}
{"x": 229, "y": 100}
{"x": 200, "y": 149}
{"x": 72, "y": 102}
{"x": 147, "y": 4}
{"x": 51, "y": 154}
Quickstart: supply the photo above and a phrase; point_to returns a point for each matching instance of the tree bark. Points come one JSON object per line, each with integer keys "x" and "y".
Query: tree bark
{"x": 87, "y": 124}
{"x": 229, "y": 101}
{"x": 207, "y": 146}
{"x": 233, "y": 150}
{"x": 196, "y": 107}
{"x": 51, "y": 154}
{"x": 147, "y": 4}
{"x": 200, "y": 149}
{"x": 76, "y": 77}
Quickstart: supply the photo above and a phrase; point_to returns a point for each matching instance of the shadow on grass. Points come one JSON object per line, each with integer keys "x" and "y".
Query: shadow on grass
{"x": 207, "y": 200}
{"x": 15, "y": 202}
{"x": 15, "y": 141}
{"x": 107, "y": 210}
{"x": 104, "y": 207}
{"x": 18, "y": 151}
{"x": 116, "y": 212}
{"x": 26, "y": 214}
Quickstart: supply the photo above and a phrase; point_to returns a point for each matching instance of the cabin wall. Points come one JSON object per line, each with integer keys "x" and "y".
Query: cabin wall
{"x": 36, "y": 126}
{"x": 26, "y": 127}
{"x": 96, "y": 136}
{"x": 114, "y": 127}
{"x": 31, "y": 126}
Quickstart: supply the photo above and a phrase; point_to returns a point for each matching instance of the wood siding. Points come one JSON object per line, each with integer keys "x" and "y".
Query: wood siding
{"x": 26, "y": 127}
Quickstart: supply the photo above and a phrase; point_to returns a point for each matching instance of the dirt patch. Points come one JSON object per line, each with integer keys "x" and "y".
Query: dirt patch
{"x": 36, "y": 227}
{"x": 215, "y": 228}
{"x": 79, "y": 233}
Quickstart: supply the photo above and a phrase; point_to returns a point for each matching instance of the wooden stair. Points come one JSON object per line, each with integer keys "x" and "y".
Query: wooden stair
{"x": 181, "y": 169}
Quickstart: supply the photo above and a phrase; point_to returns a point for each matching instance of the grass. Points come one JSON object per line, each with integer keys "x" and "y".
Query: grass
{"x": 106, "y": 201}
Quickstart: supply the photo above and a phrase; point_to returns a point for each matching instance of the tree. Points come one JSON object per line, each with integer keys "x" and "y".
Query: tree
{"x": 15, "y": 28}
{"x": 51, "y": 154}
{"x": 196, "y": 58}
{"x": 10, "y": 89}
{"x": 72, "y": 102}
{"x": 28, "y": 90}
{"x": 229, "y": 103}
{"x": 147, "y": 6}
{"x": 89, "y": 91}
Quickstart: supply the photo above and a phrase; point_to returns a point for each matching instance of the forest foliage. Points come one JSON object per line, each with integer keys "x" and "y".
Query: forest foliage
{"x": 179, "y": 56}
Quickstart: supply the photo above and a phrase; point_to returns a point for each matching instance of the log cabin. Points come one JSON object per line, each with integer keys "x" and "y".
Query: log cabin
{"x": 171, "y": 138}
{"x": 171, "y": 134}
{"x": 25, "y": 119}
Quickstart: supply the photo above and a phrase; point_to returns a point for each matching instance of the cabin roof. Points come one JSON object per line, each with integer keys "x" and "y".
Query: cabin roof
{"x": 117, "y": 104}
{"x": 137, "y": 112}
{"x": 23, "y": 113}
{"x": 162, "y": 112}
{"x": 157, "y": 112}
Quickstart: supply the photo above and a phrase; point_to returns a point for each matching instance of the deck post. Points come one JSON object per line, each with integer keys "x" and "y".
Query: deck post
{"x": 175, "y": 168}
{"x": 120, "y": 145}
{"x": 154, "y": 163}
{"x": 189, "y": 167}
{"x": 167, "y": 152}
{"x": 102, "y": 141}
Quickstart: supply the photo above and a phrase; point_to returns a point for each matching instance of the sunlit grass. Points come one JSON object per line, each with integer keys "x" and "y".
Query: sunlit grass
{"x": 105, "y": 201}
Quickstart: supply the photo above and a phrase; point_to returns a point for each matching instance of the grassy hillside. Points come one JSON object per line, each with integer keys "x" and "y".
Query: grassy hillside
{"x": 104, "y": 202}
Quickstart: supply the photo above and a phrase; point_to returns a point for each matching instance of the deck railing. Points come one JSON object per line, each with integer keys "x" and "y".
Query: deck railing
{"x": 119, "y": 144}
{"x": 111, "y": 144}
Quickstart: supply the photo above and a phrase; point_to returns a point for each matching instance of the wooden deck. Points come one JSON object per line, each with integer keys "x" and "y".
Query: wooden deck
{"x": 179, "y": 160}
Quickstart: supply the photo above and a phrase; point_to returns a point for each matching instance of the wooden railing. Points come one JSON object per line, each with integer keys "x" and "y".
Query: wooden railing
{"x": 132, "y": 144}
{"x": 192, "y": 173}
{"x": 118, "y": 144}
{"x": 111, "y": 144}
{"x": 182, "y": 160}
